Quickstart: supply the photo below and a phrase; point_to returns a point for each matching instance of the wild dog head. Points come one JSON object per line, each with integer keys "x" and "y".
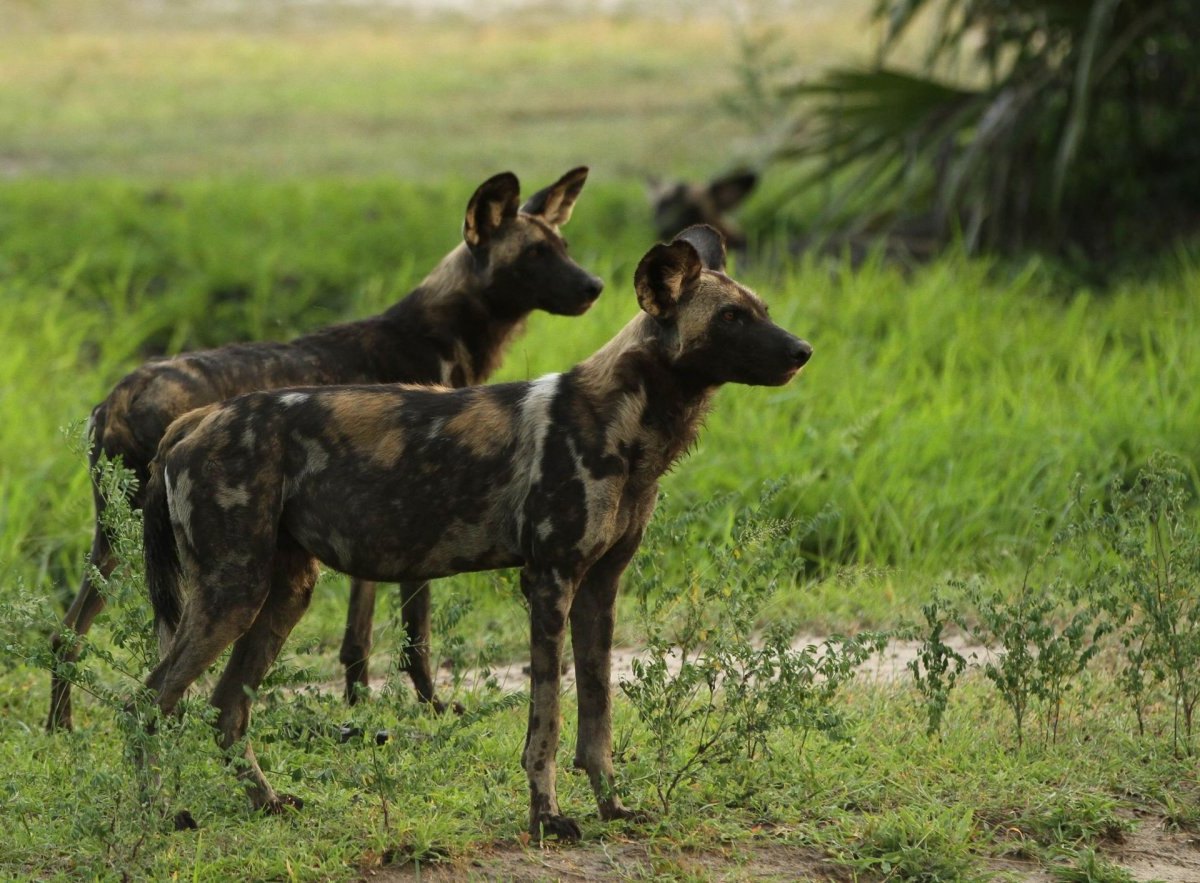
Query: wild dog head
{"x": 720, "y": 329}
{"x": 521, "y": 248}
{"x": 678, "y": 205}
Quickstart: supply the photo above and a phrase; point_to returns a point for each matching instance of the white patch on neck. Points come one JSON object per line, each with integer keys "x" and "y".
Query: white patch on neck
{"x": 534, "y": 424}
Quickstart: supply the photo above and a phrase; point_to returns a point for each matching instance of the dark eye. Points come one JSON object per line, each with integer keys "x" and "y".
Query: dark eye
{"x": 729, "y": 315}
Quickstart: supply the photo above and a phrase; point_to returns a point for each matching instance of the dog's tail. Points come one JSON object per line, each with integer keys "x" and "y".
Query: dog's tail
{"x": 163, "y": 570}
{"x": 164, "y": 573}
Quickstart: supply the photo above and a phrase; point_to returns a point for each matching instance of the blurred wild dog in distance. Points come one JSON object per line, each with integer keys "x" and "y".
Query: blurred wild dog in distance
{"x": 557, "y": 476}
{"x": 905, "y": 241}
{"x": 453, "y": 330}
{"x": 677, "y": 205}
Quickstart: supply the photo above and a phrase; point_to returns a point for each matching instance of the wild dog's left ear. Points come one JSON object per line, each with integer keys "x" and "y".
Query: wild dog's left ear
{"x": 554, "y": 204}
{"x": 494, "y": 202}
{"x": 663, "y": 275}
{"x": 709, "y": 244}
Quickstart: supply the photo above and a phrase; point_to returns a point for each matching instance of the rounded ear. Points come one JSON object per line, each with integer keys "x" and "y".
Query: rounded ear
{"x": 709, "y": 244}
{"x": 663, "y": 275}
{"x": 554, "y": 203}
{"x": 729, "y": 190}
{"x": 494, "y": 202}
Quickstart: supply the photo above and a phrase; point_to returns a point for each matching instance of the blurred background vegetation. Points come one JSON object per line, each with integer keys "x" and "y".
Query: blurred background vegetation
{"x": 1070, "y": 126}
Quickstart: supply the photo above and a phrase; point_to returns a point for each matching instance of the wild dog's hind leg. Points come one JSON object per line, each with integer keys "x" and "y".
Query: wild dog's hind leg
{"x": 209, "y": 623}
{"x": 294, "y": 574}
{"x": 84, "y": 609}
{"x": 592, "y": 618}
{"x": 356, "y": 643}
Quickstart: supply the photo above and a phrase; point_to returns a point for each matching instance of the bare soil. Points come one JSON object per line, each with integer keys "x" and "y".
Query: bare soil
{"x": 1148, "y": 853}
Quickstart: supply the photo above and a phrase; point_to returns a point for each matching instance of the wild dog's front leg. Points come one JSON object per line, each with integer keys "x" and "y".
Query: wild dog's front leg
{"x": 593, "y": 615}
{"x": 549, "y": 597}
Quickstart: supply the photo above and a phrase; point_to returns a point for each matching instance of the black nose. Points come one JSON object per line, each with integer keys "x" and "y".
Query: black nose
{"x": 594, "y": 287}
{"x": 802, "y": 352}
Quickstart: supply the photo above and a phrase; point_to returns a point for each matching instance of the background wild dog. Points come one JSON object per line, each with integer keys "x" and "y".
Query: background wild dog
{"x": 558, "y": 476}
{"x": 451, "y": 330}
{"x": 677, "y": 205}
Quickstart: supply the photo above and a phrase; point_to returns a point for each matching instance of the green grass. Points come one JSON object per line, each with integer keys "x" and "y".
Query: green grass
{"x": 937, "y": 432}
{"x": 182, "y": 186}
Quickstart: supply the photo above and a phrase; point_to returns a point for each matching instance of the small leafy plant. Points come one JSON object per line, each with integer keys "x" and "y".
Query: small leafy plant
{"x": 938, "y": 666}
{"x": 711, "y": 688}
{"x": 1039, "y": 650}
{"x": 1145, "y": 580}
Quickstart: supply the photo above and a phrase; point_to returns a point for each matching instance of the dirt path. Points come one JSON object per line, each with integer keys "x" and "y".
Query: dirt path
{"x": 889, "y": 665}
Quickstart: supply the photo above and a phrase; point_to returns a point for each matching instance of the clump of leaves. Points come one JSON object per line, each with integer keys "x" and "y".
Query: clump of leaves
{"x": 938, "y": 666}
{"x": 1037, "y": 657}
{"x": 1145, "y": 578}
{"x": 1068, "y": 125}
{"x": 917, "y": 845}
{"x": 711, "y": 689}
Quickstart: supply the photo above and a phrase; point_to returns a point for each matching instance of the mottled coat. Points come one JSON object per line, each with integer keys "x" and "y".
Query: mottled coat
{"x": 452, "y": 329}
{"x": 557, "y": 476}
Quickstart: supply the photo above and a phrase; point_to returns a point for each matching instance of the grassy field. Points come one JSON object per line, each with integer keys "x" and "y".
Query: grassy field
{"x": 175, "y": 186}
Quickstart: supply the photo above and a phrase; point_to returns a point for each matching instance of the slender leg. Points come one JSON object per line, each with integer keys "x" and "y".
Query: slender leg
{"x": 418, "y": 632}
{"x": 83, "y": 610}
{"x": 294, "y": 574}
{"x": 593, "y": 616}
{"x": 356, "y": 644}
{"x": 204, "y": 631}
{"x": 549, "y": 605}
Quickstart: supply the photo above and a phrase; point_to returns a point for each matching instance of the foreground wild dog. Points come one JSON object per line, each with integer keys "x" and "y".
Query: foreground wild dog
{"x": 678, "y": 205}
{"x": 558, "y": 476}
{"x": 452, "y": 330}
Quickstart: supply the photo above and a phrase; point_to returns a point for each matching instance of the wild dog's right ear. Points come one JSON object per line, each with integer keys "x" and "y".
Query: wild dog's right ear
{"x": 554, "y": 204}
{"x": 663, "y": 274}
{"x": 495, "y": 202}
{"x": 709, "y": 244}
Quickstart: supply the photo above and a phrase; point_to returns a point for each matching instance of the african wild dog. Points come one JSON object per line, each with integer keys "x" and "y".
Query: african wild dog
{"x": 678, "y": 205}
{"x": 453, "y": 330}
{"x": 557, "y": 476}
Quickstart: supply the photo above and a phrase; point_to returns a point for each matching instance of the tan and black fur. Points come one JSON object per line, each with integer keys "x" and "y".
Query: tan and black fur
{"x": 558, "y": 476}
{"x": 452, "y": 330}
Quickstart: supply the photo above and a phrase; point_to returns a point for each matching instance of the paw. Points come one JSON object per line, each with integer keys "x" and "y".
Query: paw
{"x": 440, "y": 707}
{"x": 183, "y": 821}
{"x": 562, "y": 827}
{"x": 624, "y": 814}
{"x": 281, "y": 804}
{"x": 59, "y": 723}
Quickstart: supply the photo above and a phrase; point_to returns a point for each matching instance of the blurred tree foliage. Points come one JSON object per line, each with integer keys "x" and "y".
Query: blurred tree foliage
{"x": 1071, "y": 125}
